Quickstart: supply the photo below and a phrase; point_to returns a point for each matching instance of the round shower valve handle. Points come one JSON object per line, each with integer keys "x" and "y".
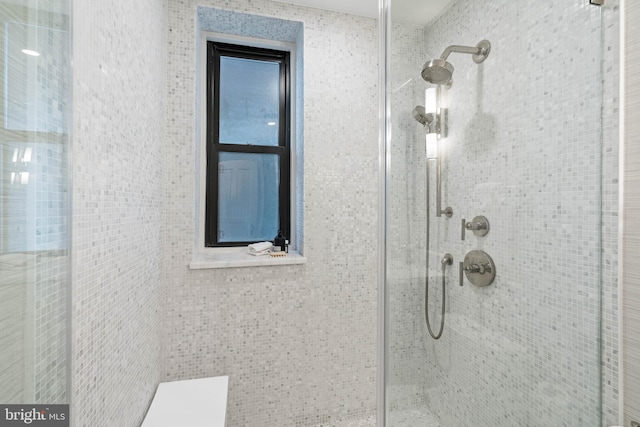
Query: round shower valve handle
{"x": 479, "y": 225}
{"x": 479, "y": 269}
{"x": 476, "y": 226}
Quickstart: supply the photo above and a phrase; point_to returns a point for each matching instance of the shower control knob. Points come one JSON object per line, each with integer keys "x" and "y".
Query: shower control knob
{"x": 476, "y": 226}
{"x": 479, "y": 268}
{"x": 479, "y": 225}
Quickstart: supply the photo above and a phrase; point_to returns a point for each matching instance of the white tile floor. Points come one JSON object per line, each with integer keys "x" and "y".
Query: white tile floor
{"x": 367, "y": 421}
{"x": 400, "y": 418}
{"x": 412, "y": 418}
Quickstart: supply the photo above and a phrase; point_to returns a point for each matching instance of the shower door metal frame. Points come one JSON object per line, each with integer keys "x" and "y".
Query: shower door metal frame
{"x": 384, "y": 136}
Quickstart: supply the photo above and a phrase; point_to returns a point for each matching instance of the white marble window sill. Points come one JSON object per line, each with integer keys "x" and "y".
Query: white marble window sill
{"x": 234, "y": 259}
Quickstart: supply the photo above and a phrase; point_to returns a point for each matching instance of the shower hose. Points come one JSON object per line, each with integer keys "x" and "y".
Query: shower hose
{"x": 447, "y": 259}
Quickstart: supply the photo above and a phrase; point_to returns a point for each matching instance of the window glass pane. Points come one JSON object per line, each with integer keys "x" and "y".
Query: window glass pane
{"x": 248, "y": 197}
{"x": 35, "y": 83}
{"x": 249, "y": 101}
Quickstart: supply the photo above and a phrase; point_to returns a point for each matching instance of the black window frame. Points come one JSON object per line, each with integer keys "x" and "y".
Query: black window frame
{"x": 214, "y": 51}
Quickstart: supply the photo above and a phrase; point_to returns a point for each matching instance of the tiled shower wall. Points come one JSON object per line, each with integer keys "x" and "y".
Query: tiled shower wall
{"x": 610, "y": 212}
{"x": 119, "y": 51}
{"x": 522, "y": 151}
{"x": 298, "y": 342}
{"x": 631, "y": 284}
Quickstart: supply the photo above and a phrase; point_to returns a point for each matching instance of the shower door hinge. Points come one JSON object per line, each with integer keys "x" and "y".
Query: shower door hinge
{"x": 597, "y": 2}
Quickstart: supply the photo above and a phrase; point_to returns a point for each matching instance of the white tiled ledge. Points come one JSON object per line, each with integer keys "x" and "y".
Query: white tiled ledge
{"x": 243, "y": 259}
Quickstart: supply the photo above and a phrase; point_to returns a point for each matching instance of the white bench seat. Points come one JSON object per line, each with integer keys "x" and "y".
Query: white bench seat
{"x": 189, "y": 403}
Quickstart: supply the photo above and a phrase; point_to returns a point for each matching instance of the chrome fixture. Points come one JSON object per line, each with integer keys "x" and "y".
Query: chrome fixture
{"x": 422, "y": 117}
{"x": 447, "y": 259}
{"x": 479, "y": 269}
{"x": 479, "y": 225}
{"x": 448, "y": 212}
{"x": 439, "y": 71}
{"x": 433, "y": 118}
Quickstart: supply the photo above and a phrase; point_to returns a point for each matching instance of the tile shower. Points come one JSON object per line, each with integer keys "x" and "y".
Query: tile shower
{"x": 522, "y": 151}
{"x": 300, "y": 342}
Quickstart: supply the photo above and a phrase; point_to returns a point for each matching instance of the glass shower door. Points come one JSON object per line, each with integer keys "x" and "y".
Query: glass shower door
{"x": 34, "y": 201}
{"x": 522, "y": 148}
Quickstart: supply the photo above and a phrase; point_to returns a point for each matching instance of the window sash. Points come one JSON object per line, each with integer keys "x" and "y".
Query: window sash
{"x": 214, "y": 51}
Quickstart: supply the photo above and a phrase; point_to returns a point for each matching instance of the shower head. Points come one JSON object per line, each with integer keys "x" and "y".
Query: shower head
{"x": 421, "y": 116}
{"x": 439, "y": 71}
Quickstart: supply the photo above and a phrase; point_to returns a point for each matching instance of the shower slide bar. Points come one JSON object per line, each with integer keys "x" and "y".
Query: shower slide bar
{"x": 448, "y": 212}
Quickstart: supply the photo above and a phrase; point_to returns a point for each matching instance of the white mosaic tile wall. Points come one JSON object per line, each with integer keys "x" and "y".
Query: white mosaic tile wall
{"x": 610, "y": 172}
{"x": 631, "y": 286}
{"x": 298, "y": 342}
{"x": 119, "y": 51}
{"x": 523, "y": 152}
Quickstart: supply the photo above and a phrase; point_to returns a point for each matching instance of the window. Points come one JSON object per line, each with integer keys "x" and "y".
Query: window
{"x": 248, "y": 144}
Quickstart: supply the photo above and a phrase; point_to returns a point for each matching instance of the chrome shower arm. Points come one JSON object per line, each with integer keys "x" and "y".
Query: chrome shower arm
{"x": 479, "y": 51}
{"x": 473, "y": 50}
